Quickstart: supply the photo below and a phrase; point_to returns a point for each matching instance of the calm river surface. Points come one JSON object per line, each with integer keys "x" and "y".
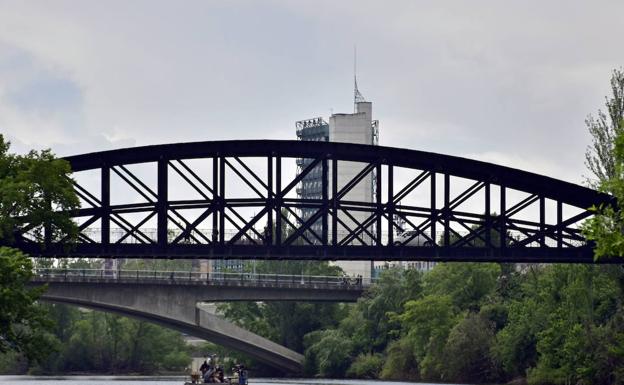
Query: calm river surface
{"x": 179, "y": 380}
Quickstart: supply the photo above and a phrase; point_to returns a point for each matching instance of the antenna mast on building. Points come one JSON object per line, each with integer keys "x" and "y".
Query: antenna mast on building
{"x": 357, "y": 96}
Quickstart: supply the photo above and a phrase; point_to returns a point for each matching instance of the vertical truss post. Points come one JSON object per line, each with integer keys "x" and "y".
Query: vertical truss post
{"x": 390, "y": 205}
{"x": 270, "y": 200}
{"x": 222, "y": 200}
{"x": 278, "y": 200}
{"x": 542, "y": 211}
{"x": 215, "y": 200}
{"x": 378, "y": 208}
{"x": 334, "y": 185}
{"x": 325, "y": 204}
{"x": 559, "y": 220}
{"x": 105, "y": 197}
{"x": 161, "y": 232}
{"x": 503, "y": 218}
{"x": 447, "y": 210}
{"x": 434, "y": 212}
{"x": 488, "y": 219}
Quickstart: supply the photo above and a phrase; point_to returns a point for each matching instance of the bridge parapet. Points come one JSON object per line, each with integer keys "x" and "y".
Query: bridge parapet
{"x": 191, "y": 278}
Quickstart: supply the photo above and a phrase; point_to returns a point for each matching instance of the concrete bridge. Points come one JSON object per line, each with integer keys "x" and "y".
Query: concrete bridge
{"x": 171, "y": 299}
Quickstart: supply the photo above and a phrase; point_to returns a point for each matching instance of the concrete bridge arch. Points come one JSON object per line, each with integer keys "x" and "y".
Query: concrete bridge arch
{"x": 174, "y": 305}
{"x": 207, "y": 326}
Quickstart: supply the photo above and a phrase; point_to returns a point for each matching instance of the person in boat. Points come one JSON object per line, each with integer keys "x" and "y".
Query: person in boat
{"x": 204, "y": 367}
{"x": 219, "y": 375}
{"x": 208, "y": 376}
{"x": 242, "y": 374}
{"x": 242, "y": 378}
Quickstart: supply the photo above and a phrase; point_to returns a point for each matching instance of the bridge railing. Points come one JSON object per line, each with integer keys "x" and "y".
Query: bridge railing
{"x": 200, "y": 278}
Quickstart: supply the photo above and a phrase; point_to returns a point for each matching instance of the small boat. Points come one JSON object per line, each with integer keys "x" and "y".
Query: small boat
{"x": 216, "y": 377}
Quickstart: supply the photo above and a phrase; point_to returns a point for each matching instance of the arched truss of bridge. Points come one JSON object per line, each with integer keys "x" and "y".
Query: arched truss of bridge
{"x": 454, "y": 208}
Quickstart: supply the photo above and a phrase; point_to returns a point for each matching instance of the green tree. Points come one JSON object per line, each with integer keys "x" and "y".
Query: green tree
{"x": 23, "y": 323}
{"x": 36, "y": 193}
{"x": 467, "y": 351}
{"x": 401, "y": 362}
{"x": 578, "y": 303}
{"x": 605, "y": 227}
{"x": 605, "y": 159}
{"x": 427, "y": 323}
{"x": 369, "y": 323}
{"x": 467, "y": 284}
{"x": 366, "y": 366}
{"x": 600, "y": 156}
{"x": 515, "y": 347}
{"x": 286, "y": 322}
{"x": 564, "y": 327}
{"x": 329, "y": 351}
{"x": 107, "y": 343}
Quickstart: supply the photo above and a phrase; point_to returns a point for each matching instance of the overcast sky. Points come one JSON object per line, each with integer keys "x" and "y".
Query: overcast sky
{"x": 501, "y": 81}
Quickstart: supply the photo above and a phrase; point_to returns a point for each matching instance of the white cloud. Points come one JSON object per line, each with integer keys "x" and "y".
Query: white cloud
{"x": 513, "y": 81}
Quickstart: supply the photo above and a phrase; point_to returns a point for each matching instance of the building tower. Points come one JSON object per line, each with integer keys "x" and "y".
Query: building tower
{"x": 358, "y": 127}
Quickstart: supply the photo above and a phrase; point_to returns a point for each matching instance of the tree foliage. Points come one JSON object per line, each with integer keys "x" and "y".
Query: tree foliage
{"x": 461, "y": 323}
{"x": 36, "y": 192}
{"x": 23, "y": 324}
{"x": 605, "y": 227}
{"x": 286, "y": 322}
{"x": 366, "y": 365}
{"x": 467, "y": 350}
{"x": 90, "y": 341}
{"x": 467, "y": 284}
{"x": 330, "y": 352}
{"x": 604, "y": 129}
{"x": 606, "y": 160}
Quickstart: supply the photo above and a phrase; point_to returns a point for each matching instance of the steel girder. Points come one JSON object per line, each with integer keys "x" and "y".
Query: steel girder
{"x": 339, "y": 226}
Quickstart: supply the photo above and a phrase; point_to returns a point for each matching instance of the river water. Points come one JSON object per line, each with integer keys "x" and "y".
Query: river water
{"x": 176, "y": 380}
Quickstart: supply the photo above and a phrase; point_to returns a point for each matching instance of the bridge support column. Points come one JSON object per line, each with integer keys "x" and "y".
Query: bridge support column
{"x": 162, "y": 207}
{"x": 325, "y": 208}
{"x": 447, "y": 220}
{"x": 105, "y": 205}
{"x": 503, "y": 218}
{"x": 488, "y": 219}
{"x": 434, "y": 212}
{"x": 334, "y": 201}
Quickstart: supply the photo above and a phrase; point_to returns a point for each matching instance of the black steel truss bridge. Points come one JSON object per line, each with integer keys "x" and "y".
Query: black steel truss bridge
{"x": 239, "y": 200}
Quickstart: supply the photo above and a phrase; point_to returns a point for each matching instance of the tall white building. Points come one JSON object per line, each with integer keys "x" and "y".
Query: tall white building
{"x": 358, "y": 127}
